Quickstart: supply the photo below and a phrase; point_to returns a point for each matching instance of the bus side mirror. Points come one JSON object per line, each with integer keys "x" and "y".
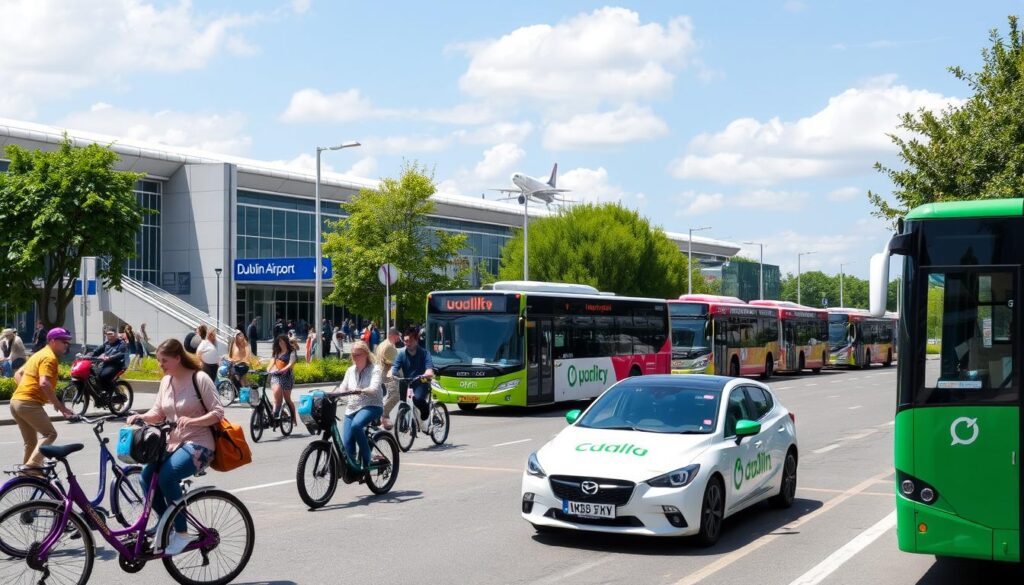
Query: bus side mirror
{"x": 572, "y": 415}
{"x": 522, "y": 326}
{"x": 879, "y": 283}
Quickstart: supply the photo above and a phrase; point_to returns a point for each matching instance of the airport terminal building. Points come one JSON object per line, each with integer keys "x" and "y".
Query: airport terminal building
{"x": 235, "y": 237}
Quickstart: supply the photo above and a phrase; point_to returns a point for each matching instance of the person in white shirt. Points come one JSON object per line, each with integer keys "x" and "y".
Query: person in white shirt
{"x": 209, "y": 355}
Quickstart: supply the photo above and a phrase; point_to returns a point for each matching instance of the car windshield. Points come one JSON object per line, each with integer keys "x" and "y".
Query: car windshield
{"x": 654, "y": 407}
{"x": 689, "y": 334}
{"x": 475, "y": 340}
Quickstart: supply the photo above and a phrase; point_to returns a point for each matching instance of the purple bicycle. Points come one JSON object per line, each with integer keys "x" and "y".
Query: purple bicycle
{"x": 47, "y": 541}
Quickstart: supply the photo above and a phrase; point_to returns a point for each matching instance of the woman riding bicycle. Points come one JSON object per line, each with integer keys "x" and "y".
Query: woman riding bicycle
{"x": 241, "y": 358}
{"x": 362, "y": 409}
{"x": 190, "y": 444}
{"x": 282, "y": 375}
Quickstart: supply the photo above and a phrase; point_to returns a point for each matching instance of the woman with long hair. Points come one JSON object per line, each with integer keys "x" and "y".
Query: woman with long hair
{"x": 241, "y": 358}
{"x": 208, "y": 354}
{"x": 282, "y": 375}
{"x": 363, "y": 376}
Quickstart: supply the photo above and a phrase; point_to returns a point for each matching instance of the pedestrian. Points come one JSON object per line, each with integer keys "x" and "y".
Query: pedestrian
{"x": 143, "y": 342}
{"x": 339, "y": 341}
{"x": 193, "y": 338}
{"x": 131, "y": 342}
{"x": 346, "y": 329}
{"x": 374, "y": 335}
{"x": 188, "y": 398}
{"x": 12, "y": 352}
{"x": 279, "y": 327}
{"x": 310, "y": 349}
{"x": 39, "y": 337}
{"x": 37, "y": 380}
{"x": 325, "y": 338}
{"x": 208, "y": 354}
{"x": 386, "y": 353}
{"x": 252, "y": 333}
{"x": 282, "y": 376}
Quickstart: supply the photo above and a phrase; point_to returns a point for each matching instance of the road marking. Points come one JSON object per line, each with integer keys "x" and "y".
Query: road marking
{"x": 467, "y": 467}
{"x": 261, "y": 486}
{"x": 835, "y": 560}
{"x": 834, "y": 491}
{"x": 87, "y": 474}
{"x": 866, "y": 433}
{"x": 891, "y": 423}
{"x": 826, "y": 449}
{"x": 783, "y": 387}
{"x": 558, "y": 578}
{"x": 856, "y": 407}
{"x": 837, "y": 381}
{"x": 512, "y": 442}
{"x": 730, "y": 558}
{"x": 809, "y": 385}
{"x": 834, "y": 396}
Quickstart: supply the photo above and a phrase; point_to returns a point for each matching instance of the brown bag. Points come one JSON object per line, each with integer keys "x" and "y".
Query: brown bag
{"x": 231, "y": 450}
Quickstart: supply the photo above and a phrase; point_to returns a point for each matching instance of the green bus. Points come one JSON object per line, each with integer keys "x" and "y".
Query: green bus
{"x": 957, "y": 433}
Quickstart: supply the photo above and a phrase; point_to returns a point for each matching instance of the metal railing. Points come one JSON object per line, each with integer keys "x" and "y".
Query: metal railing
{"x": 172, "y": 305}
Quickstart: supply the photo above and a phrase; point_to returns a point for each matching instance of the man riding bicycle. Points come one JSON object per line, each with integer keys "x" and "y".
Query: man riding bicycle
{"x": 111, "y": 354}
{"x": 414, "y": 361}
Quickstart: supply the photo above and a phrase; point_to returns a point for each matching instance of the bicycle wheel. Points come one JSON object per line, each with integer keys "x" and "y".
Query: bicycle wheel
{"x": 25, "y": 526}
{"x": 26, "y": 488}
{"x": 439, "y": 422}
{"x": 256, "y": 424}
{"x": 74, "y": 397}
{"x": 383, "y": 472}
{"x": 405, "y": 427}
{"x": 222, "y": 534}
{"x": 128, "y": 497}
{"x": 317, "y": 474}
{"x": 121, "y": 389}
{"x": 286, "y": 420}
{"x": 226, "y": 392}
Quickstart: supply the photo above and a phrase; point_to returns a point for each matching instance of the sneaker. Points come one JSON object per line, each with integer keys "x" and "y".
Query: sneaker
{"x": 177, "y": 543}
{"x": 422, "y": 424}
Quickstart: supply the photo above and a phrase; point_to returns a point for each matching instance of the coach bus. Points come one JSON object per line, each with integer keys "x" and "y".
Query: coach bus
{"x": 522, "y": 343}
{"x": 857, "y": 339}
{"x": 717, "y": 334}
{"x": 803, "y": 342}
{"x": 958, "y": 416}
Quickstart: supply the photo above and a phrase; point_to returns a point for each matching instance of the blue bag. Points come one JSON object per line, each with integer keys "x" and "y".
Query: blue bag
{"x": 124, "y": 445}
{"x": 243, "y": 395}
{"x": 306, "y": 414}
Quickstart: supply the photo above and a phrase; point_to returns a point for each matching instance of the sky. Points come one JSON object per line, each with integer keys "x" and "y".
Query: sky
{"x": 761, "y": 120}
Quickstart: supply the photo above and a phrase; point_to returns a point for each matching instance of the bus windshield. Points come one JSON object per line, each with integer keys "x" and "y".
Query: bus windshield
{"x": 838, "y": 331}
{"x": 476, "y": 339}
{"x": 690, "y": 335}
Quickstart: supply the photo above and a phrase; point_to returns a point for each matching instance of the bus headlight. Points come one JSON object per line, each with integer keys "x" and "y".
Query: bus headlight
{"x": 507, "y": 385}
{"x": 435, "y": 384}
{"x": 701, "y": 362}
{"x": 678, "y": 478}
{"x": 533, "y": 466}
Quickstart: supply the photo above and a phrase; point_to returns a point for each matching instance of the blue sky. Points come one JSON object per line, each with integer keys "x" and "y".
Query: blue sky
{"x": 760, "y": 119}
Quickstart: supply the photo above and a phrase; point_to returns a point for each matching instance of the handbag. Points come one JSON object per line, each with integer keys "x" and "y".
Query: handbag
{"x": 231, "y": 451}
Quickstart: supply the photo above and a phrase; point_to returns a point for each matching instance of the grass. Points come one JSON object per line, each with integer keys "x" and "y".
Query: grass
{"x": 933, "y": 349}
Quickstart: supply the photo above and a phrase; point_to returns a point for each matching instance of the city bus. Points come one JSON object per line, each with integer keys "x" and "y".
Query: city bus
{"x": 521, "y": 343}
{"x": 717, "y": 334}
{"x": 957, "y": 429}
{"x": 858, "y": 339}
{"x": 803, "y": 342}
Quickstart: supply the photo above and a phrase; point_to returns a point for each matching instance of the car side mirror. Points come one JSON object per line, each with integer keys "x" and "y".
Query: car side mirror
{"x": 572, "y": 415}
{"x": 746, "y": 428}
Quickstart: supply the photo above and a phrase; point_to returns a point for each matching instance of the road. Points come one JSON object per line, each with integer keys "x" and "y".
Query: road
{"x": 453, "y": 516}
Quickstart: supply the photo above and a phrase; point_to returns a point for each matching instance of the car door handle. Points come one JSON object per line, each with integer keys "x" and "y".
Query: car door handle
{"x": 782, "y": 429}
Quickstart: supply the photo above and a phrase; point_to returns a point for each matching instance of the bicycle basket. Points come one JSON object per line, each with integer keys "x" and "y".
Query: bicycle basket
{"x": 254, "y": 396}
{"x": 140, "y": 445}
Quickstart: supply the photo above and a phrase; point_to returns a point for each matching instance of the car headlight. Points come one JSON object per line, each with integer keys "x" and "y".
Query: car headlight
{"x": 507, "y": 385}
{"x": 435, "y": 384}
{"x": 702, "y": 362}
{"x": 678, "y": 478}
{"x": 533, "y": 467}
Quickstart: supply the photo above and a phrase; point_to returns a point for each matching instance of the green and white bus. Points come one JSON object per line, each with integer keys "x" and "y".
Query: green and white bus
{"x": 521, "y": 343}
{"x": 957, "y": 434}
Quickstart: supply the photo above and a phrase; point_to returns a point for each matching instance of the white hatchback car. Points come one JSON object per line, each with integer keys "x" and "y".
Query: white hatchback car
{"x": 665, "y": 456}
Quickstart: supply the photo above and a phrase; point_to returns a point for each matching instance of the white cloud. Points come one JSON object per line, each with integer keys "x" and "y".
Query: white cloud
{"x": 594, "y": 186}
{"x": 608, "y": 54}
{"x": 630, "y": 123}
{"x": 847, "y": 135}
{"x": 405, "y": 145}
{"x": 51, "y": 47}
{"x": 693, "y": 203}
{"x": 496, "y": 133}
{"x": 305, "y": 162}
{"x": 499, "y": 160}
{"x": 220, "y": 133}
{"x": 844, "y": 194}
{"x": 830, "y": 249}
{"x": 313, "y": 105}
{"x": 769, "y": 200}
{"x": 364, "y": 167}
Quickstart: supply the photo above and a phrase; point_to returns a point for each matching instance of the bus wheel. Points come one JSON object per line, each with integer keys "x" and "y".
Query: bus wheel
{"x": 769, "y": 368}
{"x": 634, "y": 372}
{"x": 867, "y": 359}
{"x": 467, "y": 406}
{"x": 888, "y": 359}
{"x": 734, "y": 368}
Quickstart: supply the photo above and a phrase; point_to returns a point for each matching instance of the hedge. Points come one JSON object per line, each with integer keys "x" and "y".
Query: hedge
{"x": 7, "y": 387}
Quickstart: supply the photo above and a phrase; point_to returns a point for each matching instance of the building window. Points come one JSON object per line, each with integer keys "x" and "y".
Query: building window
{"x": 146, "y": 264}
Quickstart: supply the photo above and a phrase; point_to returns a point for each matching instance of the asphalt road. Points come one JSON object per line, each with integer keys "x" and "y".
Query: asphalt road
{"x": 453, "y": 515}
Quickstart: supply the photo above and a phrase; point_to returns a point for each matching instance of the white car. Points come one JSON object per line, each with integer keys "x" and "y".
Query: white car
{"x": 665, "y": 456}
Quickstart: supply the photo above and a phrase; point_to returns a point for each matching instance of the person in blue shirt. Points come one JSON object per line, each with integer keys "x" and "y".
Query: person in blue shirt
{"x": 112, "y": 354}
{"x": 414, "y": 361}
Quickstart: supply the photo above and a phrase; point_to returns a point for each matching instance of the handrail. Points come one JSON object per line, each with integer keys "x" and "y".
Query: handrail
{"x": 175, "y": 307}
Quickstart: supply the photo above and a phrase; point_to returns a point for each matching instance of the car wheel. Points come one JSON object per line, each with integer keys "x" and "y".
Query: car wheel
{"x": 787, "y": 491}
{"x": 712, "y": 513}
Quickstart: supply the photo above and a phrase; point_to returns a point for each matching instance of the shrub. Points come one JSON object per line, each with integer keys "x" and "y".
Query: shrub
{"x": 7, "y": 387}
{"x": 326, "y": 370}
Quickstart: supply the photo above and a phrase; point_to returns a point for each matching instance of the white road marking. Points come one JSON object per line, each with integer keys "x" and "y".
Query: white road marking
{"x": 834, "y": 396}
{"x": 860, "y": 435}
{"x": 560, "y": 577}
{"x": 87, "y": 474}
{"x": 856, "y": 407}
{"x": 262, "y": 485}
{"x": 826, "y": 449}
{"x": 835, "y": 560}
{"x": 832, "y": 382}
{"x": 891, "y": 423}
{"x": 783, "y": 387}
{"x": 809, "y": 385}
{"x": 512, "y": 442}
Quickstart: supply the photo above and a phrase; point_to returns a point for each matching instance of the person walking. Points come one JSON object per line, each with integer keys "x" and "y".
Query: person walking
{"x": 346, "y": 329}
{"x": 39, "y": 337}
{"x": 208, "y": 354}
{"x": 193, "y": 338}
{"x": 252, "y": 332}
{"x": 131, "y": 342}
{"x": 386, "y": 353}
{"x": 37, "y": 381}
{"x": 143, "y": 341}
{"x": 12, "y": 352}
{"x": 188, "y": 398}
{"x": 282, "y": 375}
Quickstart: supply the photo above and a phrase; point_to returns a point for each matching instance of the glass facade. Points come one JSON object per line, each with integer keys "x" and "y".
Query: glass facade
{"x": 146, "y": 264}
{"x": 3, "y": 165}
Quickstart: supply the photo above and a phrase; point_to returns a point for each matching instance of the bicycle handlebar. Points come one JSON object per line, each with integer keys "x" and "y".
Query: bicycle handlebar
{"x": 95, "y": 420}
{"x": 336, "y": 395}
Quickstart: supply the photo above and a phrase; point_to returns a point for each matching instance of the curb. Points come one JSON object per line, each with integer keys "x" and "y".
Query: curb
{"x": 7, "y": 422}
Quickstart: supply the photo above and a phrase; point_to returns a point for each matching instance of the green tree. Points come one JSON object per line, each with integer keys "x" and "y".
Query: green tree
{"x": 56, "y": 208}
{"x": 389, "y": 225}
{"x": 971, "y": 151}
{"x": 606, "y": 246}
{"x": 814, "y": 286}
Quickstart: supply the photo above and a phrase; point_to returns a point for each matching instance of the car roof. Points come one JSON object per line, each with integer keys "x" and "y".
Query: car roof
{"x": 700, "y": 382}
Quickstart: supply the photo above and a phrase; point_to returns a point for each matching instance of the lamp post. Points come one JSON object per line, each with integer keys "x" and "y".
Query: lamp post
{"x": 798, "y": 257}
{"x": 760, "y": 278}
{"x": 318, "y": 293}
{"x": 841, "y": 301}
{"x": 218, "y": 271}
{"x": 689, "y": 258}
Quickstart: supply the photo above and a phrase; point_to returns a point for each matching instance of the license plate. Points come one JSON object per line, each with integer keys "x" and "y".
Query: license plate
{"x": 469, "y": 399}
{"x": 588, "y": 510}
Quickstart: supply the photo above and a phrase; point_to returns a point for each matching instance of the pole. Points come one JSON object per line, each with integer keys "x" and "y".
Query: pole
{"x": 526, "y": 237}
{"x": 387, "y": 300}
{"x": 760, "y": 279}
{"x": 85, "y": 304}
{"x": 841, "y": 300}
{"x": 689, "y": 262}
{"x": 798, "y": 279}
{"x": 217, "y": 270}
{"x": 318, "y": 263}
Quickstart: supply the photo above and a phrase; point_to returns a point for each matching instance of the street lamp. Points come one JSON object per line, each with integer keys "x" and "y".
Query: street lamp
{"x": 318, "y": 294}
{"x": 760, "y": 279}
{"x": 798, "y": 256}
{"x": 841, "y": 282}
{"x": 218, "y": 271}
{"x": 689, "y": 258}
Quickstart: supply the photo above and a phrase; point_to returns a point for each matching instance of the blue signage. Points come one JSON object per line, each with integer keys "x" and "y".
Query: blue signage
{"x": 274, "y": 269}
{"x": 78, "y": 286}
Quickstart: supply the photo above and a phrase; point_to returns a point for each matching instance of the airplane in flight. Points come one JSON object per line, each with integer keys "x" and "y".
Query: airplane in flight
{"x": 546, "y": 193}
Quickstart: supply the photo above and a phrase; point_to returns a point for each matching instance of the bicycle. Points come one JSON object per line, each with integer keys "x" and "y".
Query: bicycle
{"x": 56, "y": 545}
{"x": 318, "y": 479}
{"x": 263, "y": 412}
{"x": 229, "y": 381}
{"x": 406, "y": 421}
{"x": 126, "y": 495}
{"x": 85, "y": 386}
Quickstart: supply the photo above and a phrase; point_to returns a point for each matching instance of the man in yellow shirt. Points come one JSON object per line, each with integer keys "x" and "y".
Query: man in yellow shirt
{"x": 37, "y": 380}
{"x": 386, "y": 352}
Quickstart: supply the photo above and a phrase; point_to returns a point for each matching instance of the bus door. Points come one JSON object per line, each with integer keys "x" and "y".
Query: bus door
{"x": 789, "y": 345}
{"x": 540, "y": 380}
{"x": 720, "y": 345}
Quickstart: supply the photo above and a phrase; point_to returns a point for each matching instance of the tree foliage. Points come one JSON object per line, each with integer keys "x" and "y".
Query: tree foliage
{"x": 816, "y": 285}
{"x": 606, "y": 246}
{"x": 971, "y": 151}
{"x": 389, "y": 225}
{"x": 56, "y": 208}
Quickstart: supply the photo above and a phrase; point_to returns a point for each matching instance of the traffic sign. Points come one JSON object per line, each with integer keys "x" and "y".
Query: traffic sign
{"x": 387, "y": 274}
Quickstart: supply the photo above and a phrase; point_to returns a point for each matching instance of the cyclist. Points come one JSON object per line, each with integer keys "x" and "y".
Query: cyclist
{"x": 362, "y": 376}
{"x": 282, "y": 375}
{"x": 187, "y": 397}
{"x": 111, "y": 354}
{"x": 242, "y": 359}
{"x": 36, "y": 381}
{"x": 414, "y": 361}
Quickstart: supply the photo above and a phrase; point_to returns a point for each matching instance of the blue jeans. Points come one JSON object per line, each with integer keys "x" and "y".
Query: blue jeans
{"x": 421, "y": 399}
{"x": 176, "y": 467}
{"x": 353, "y": 432}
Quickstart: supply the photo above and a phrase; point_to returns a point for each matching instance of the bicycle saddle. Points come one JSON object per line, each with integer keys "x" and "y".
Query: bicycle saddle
{"x": 60, "y": 451}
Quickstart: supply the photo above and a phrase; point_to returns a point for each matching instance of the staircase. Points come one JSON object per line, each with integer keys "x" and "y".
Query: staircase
{"x": 186, "y": 314}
